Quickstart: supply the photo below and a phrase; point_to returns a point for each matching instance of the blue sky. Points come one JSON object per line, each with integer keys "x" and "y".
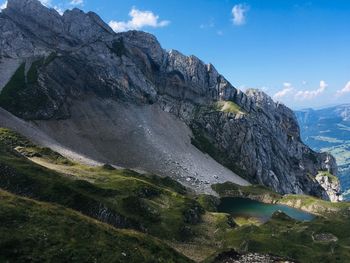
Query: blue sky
{"x": 297, "y": 51}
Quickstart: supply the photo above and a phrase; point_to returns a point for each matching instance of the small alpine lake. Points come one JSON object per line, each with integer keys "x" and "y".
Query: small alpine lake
{"x": 243, "y": 207}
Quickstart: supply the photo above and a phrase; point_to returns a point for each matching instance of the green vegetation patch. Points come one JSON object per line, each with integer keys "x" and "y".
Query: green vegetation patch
{"x": 228, "y": 107}
{"x": 21, "y": 144}
{"x": 315, "y": 205}
{"x": 44, "y": 152}
{"x": 255, "y": 192}
{"x": 12, "y": 139}
{"x": 208, "y": 202}
{"x": 292, "y": 239}
{"x": 330, "y": 176}
{"x": 40, "y": 232}
{"x": 121, "y": 198}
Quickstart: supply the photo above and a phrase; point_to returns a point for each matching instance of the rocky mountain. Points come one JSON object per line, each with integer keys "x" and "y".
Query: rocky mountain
{"x": 69, "y": 82}
{"x": 328, "y": 130}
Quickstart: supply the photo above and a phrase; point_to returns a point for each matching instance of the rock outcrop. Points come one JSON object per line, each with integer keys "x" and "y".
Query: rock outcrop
{"x": 232, "y": 256}
{"x": 264, "y": 145}
{"x": 75, "y": 56}
{"x": 332, "y": 186}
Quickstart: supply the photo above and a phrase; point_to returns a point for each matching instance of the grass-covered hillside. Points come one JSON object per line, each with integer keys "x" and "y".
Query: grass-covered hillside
{"x": 53, "y": 209}
{"x": 324, "y": 239}
{"x": 121, "y": 198}
{"x": 32, "y": 231}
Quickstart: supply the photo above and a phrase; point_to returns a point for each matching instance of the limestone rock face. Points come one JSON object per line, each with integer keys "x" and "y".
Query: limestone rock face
{"x": 76, "y": 56}
{"x": 264, "y": 145}
{"x": 331, "y": 185}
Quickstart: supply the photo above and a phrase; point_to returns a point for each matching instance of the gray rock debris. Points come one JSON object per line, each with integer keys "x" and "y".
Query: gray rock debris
{"x": 84, "y": 58}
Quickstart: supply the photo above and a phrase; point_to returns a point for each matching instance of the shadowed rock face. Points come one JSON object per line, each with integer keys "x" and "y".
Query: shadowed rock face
{"x": 76, "y": 56}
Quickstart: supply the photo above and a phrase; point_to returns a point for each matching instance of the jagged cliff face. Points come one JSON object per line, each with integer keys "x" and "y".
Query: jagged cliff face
{"x": 54, "y": 61}
{"x": 264, "y": 144}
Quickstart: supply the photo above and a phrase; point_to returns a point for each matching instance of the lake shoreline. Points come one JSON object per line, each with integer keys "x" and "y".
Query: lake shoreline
{"x": 245, "y": 207}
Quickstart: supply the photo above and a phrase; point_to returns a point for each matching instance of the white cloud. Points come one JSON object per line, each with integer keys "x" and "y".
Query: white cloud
{"x": 323, "y": 85}
{"x": 239, "y": 14}
{"x": 58, "y": 9}
{"x": 77, "y": 2}
{"x": 310, "y": 94}
{"x": 287, "y": 89}
{"x": 139, "y": 19}
{"x": 3, "y": 5}
{"x": 345, "y": 90}
{"x": 46, "y": 2}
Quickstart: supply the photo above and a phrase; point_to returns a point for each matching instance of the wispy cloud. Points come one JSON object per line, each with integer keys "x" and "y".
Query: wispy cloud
{"x": 239, "y": 12}
{"x": 344, "y": 90}
{"x": 287, "y": 90}
{"x": 3, "y": 5}
{"x": 46, "y": 2}
{"x": 59, "y": 10}
{"x": 77, "y": 2}
{"x": 139, "y": 19}
{"x": 311, "y": 94}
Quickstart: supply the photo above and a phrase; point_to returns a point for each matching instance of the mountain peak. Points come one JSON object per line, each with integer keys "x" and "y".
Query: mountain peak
{"x": 29, "y": 7}
{"x": 34, "y": 16}
{"x": 77, "y": 56}
{"x": 22, "y": 3}
{"x": 72, "y": 28}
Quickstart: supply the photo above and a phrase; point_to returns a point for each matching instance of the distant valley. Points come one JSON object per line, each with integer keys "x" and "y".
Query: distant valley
{"x": 328, "y": 130}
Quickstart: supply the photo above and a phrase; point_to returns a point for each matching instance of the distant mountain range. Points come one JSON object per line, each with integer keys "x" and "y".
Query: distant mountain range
{"x": 328, "y": 130}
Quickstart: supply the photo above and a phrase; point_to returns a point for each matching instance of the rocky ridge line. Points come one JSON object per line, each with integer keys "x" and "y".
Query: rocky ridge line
{"x": 77, "y": 56}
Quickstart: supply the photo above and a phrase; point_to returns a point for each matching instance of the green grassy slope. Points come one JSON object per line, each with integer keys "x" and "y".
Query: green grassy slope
{"x": 32, "y": 231}
{"x": 150, "y": 204}
{"x": 297, "y": 240}
{"x": 289, "y": 238}
{"x": 121, "y": 198}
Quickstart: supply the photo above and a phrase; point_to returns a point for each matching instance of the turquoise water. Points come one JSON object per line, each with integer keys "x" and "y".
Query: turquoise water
{"x": 249, "y": 208}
